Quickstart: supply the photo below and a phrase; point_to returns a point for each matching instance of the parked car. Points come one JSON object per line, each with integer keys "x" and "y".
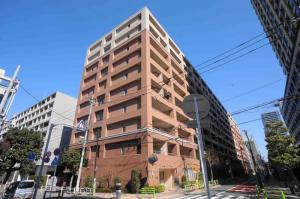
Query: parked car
{"x": 19, "y": 190}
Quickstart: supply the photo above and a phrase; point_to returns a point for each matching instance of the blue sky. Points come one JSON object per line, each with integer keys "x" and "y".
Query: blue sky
{"x": 49, "y": 40}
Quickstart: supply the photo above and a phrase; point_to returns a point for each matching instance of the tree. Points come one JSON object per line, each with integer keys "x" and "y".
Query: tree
{"x": 281, "y": 148}
{"x": 20, "y": 144}
{"x": 71, "y": 160}
{"x": 212, "y": 159}
{"x": 135, "y": 181}
{"x": 88, "y": 182}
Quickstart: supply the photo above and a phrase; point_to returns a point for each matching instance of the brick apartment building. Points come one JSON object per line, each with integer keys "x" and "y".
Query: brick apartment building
{"x": 140, "y": 77}
{"x": 240, "y": 147}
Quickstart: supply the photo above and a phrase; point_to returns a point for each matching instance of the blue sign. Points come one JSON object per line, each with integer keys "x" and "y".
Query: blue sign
{"x": 55, "y": 162}
{"x": 31, "y": 156}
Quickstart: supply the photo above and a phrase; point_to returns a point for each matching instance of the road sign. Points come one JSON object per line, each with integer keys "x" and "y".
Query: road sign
{"x": 31, "y": 156}
{"x": 82, "y": 125}
{"x": 48, "y": 153}
{"x": 46, "y": 159}
{"x": 189, "y": 106}
{"x": 55, "y": 161}
{"x": 56, "y": 151}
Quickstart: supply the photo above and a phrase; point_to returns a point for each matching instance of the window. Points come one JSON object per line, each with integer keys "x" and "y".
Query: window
{"x": 97, "y": 132}
{"x": 100, "y": 99}
{"x": 96, "y": 149}
{"x": 99, "y": 115}
{"x": 104, "y": 72}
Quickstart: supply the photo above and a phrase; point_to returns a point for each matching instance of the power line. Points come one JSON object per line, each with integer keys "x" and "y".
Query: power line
{"x": 292, "y": 20}
{"x": 235, "y": 58}
{"x": 252, "y": 90}
{"x": 292, "y": 97}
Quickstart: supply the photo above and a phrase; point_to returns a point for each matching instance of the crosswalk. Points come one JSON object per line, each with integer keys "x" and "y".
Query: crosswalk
{"x": 217, "y": 196}
{"x": 243, "y": 188}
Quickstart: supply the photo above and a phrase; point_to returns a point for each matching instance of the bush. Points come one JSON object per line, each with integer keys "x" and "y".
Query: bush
{"x": 159, "y": 188}
{"x": 88, "y": 182}
{"x": 117, "y": 179}
{"x": 135, "y": 181}
{"x": 101, "y": 182}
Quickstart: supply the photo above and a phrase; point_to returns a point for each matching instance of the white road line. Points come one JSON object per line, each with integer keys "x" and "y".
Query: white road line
{"x": 228, "y": 197}
{"x": 189, "y": 197}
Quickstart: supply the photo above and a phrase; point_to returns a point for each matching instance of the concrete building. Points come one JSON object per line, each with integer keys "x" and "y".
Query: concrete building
{"x": 280, "y": 20}
{"x": 57, "y": 108}
{"x": 269, "y": 118}
{"x": 140, "y": 77}
{"x": 240, "y": 146}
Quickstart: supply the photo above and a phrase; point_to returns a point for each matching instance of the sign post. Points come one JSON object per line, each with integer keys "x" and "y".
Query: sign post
{"x": 191, "y": 105}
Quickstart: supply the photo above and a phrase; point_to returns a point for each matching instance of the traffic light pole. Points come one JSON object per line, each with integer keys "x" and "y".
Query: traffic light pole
{"x": 84, "y": 145}
{"x": 257, "y": 173}
{"x": 201, "y": 149}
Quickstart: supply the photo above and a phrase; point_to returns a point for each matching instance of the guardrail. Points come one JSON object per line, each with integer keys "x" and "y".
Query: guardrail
{"x": 273, "y": 193}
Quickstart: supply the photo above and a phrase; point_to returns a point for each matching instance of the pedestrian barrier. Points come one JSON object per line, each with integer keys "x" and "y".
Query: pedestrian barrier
{"x": 273, "y": 192}
{"x": 148, "y": 191}
{"x": 192, "y": 185}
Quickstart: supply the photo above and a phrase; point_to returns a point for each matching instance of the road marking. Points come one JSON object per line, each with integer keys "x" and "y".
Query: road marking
{"x": 190, "y": 196}
{"x": 228, "y": 197}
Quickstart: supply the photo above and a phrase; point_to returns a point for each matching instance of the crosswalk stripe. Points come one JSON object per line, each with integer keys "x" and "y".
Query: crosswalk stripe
{"x": 197, "y": 197}
{"x": 228, "y": 197}
{"x": 189, "y": 197}
{"x": 217, "y": 196}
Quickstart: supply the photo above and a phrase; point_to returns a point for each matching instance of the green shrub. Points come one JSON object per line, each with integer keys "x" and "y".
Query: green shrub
{"x": 101, "y": 182}
{"x": 117, "y": 179}
{"x": 135, "y": 181}
{"x": 88, "y": 182}
{"x": 159, "y": 188}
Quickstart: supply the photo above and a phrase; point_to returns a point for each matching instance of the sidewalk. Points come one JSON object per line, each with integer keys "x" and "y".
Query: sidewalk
{"x": 170, "y": 194}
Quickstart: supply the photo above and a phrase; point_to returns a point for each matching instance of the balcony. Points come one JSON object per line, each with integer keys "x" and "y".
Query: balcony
{"x": 162, "y": 125}
{"x": 183, "y": 134}
{"x": 161, "y": 91}
{"x": 186, "y": 152}
{"x": 164, "y": 148}
{"x": 161, "y": 107}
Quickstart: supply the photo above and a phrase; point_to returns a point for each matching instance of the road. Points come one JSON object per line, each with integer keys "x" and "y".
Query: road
{"x": 243, "y": 191}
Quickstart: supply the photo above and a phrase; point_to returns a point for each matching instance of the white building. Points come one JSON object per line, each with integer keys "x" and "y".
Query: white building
{"x": 57, "y": 108}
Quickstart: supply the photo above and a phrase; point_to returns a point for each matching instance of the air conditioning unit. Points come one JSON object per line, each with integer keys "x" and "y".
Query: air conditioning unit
{"x": 80, "y": 140}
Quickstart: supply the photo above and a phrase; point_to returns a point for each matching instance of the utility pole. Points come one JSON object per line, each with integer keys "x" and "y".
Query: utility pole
{"x": 91, "y": 100}
{"x": 95, "y": 163}
{"x": 257, "y": 173}
{"x": 201, "y": 149}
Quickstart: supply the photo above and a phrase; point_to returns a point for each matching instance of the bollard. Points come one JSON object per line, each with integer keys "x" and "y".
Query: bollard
{"x": 265, "y": 194}
{"x": 118, "y": 190}
{"x": 282, "y": 195}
